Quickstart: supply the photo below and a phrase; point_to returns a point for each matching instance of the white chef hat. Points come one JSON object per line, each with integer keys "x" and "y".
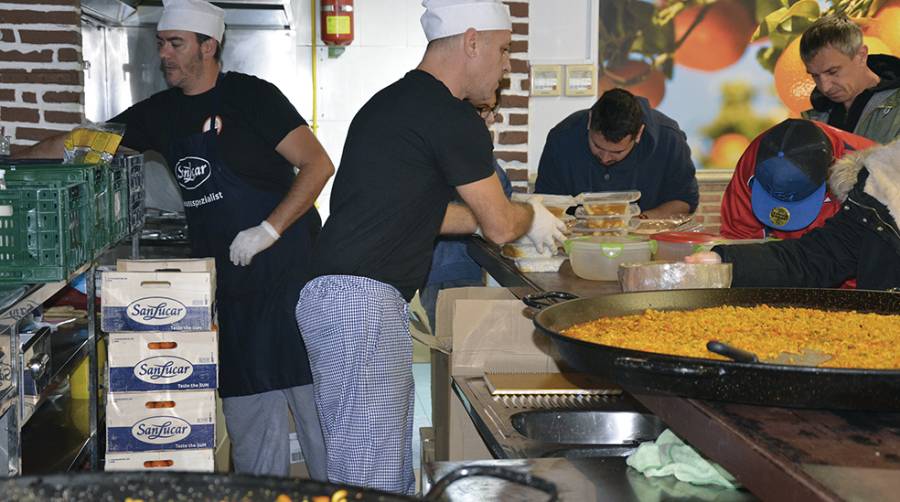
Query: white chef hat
{"x": 198, "y": 16}
{"x": 445, "y": 18}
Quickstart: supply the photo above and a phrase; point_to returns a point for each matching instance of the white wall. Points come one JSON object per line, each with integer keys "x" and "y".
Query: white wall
{"x": 388, "y": 42}
{"x": 558, "y": 36}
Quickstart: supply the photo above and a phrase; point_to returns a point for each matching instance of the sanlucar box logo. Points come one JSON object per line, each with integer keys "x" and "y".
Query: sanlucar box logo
{"x": 156, "y": 310}
{"x": 191, "y": 172}
{"x": 161, "y": 430}
{"x": 163, "y": 369}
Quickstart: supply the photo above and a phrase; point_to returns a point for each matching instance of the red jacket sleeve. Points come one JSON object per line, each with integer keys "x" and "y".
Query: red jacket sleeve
{"x": 738, "y": 221}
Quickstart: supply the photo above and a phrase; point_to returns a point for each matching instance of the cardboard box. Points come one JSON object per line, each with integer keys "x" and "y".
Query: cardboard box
{"x": 478, "y": 330}
{"x": 157, "y": 301}
{"x": 171, "y": 460}
{"x": 145, "y": 421}
{"x": 169, "y": 265}
{"x": 163, "y": 360}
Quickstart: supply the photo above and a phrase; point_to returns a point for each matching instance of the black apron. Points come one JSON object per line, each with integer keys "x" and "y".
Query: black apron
{"x": 260, "y": 348}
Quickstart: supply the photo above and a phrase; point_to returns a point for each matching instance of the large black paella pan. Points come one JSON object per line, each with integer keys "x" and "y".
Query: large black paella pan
{"x": 755, "y": 383}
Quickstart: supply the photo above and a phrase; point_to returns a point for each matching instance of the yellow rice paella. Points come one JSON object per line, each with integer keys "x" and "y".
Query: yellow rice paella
{"x": 852, "y": 339}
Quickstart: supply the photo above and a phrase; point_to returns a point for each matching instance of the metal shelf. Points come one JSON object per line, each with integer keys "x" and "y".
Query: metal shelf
{"x": 57, "y": 435}
{"x": 73, "y": 349}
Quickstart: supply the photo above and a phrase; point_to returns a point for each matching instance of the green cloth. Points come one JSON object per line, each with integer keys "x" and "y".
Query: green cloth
{"x": 669, "y": 456}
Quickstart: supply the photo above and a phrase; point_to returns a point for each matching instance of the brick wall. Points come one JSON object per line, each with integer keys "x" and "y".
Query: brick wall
{"x": 712, "y": 186}
{"x": 511, "y": 130}
{"x": 41, "y": 79}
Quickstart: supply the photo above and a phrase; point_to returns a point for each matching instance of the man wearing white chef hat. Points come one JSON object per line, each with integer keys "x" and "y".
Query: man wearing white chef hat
{"x": 232, "y": 141}
{"x": 413, "y": 146}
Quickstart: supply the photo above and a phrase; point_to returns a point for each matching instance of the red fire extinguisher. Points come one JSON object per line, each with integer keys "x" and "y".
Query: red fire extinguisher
{"x": 337, "y": 21}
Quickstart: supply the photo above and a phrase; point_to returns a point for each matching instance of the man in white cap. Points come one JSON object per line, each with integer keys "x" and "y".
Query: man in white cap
{"x": 408, "y": 151}
{"x": 232, "y": 141}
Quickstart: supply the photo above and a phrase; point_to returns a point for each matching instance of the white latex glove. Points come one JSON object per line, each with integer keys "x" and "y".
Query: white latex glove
{"x": 546, "y": 230}
{"x": 251, "y": 241}
{"x": 704, "y": 257}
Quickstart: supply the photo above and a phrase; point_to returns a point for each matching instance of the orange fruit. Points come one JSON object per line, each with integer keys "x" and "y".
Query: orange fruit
{"x": 876, "y": 45}
{"x": 637, "y": 77}
{"x": 886, "y": 26}
{"x": 792, "y": 82}
{"x": 727, "y": 150}
{"x": 720, "y": 38}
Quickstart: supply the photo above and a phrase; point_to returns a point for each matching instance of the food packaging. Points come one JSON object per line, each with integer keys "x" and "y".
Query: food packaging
{"x": 674, "y": 246}
{"x": 598, "y": 258}
{"x": 157, "y": 301}
{"x": 177, "y": 460}
{"x": 523, "y": 248}
{"x": 166, "y": 360}
{"x": 549, "y": 264}
{"x": 168, "y": 420}
{"x": 608, "y": 222}
{"x": 556, "y": 204}
{"x": 679, "y": 223}
{"x": 659, "y": 275}
{"x": 608, "y": 203}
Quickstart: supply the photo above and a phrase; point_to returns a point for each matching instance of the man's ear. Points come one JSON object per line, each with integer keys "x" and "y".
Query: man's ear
{"x": 471, "y": 42}
{"x": 862, "y": 53}
{"x": 209, "y": 46}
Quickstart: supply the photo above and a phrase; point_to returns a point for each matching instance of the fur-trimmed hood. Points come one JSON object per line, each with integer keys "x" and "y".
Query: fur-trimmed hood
{"x": 883, "y": 183}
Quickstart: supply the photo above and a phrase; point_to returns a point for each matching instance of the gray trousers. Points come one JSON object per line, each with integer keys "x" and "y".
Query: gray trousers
{"x": 258, "y": 428}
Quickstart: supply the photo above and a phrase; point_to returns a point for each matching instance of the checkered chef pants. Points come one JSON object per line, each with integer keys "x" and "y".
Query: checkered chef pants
{"x": 356, "y": 332}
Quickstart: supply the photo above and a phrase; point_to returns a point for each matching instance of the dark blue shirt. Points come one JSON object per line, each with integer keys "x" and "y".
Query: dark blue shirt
{"x": 451, "y": 261}
{"x": 659, "y": 166}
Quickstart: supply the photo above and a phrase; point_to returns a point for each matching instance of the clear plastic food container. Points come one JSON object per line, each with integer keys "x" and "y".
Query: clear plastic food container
{"x": 608, "y": 203}
{"x": 598, "y": 258}
{"x": 662, "y": 275}
{"x": 520, "y": 249}
{"x": 556, "y": 204}
{"x": 616, "y": 221}
{"x": 674, "y": 246}
{"x": 675, "y": 223}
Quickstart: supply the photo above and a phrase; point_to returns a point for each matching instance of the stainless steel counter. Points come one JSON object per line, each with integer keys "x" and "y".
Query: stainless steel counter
{"x": 576, "y": 479}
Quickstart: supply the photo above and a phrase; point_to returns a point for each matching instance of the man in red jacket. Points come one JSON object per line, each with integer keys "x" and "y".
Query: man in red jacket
{"x": 778, "y": 187}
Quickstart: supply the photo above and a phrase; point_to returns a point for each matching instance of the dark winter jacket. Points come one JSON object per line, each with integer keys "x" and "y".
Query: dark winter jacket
{"x": 875, "y": 113}
{"x": 659, "y": 166}
{"x": 861, "y": 240}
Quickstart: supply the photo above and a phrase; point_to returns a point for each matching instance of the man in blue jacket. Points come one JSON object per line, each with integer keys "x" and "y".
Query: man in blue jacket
{"x": 621, "y": 144}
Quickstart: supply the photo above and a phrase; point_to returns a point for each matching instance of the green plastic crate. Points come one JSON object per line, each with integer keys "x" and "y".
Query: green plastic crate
{"x": 96, "y": 176}
{"x": 46, "y": 237}
{"x": 118, "y": 203}
{"x": 134, "y": 164}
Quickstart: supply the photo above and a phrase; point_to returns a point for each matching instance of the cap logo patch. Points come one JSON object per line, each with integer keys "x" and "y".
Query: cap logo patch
{"x": 779, "y": 216}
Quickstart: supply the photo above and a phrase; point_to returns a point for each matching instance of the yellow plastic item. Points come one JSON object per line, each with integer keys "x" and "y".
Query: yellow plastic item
{"x": 95, "y": 144}
{"x": 79, "y": 379}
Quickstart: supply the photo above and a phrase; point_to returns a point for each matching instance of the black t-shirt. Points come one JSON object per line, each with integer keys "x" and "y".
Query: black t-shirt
{"x": 406, "y": 150}
{"x": 255, "y": 116}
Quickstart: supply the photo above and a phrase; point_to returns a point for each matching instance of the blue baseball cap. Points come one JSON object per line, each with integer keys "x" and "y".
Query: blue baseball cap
{"x": 788, "y": 186}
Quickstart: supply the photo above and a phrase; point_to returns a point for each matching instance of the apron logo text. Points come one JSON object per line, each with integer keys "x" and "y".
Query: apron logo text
{"x": 206, "y": 199}
{"x": 156, "y": 311}
{"x": 161, "y": 430}
{"x": 191, "y": 172}
{"x": 171, "y": 369}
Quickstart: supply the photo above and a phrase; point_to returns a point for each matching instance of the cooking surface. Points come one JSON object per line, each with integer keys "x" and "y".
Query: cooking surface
{"x": 778, "y": 453}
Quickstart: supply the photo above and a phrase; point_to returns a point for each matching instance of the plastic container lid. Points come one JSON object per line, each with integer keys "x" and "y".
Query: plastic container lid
{"x": 633, "y": 210}
{"x": 611, "y": 246}
{"x": 685, "y": 237}
{"x": 547, "y": 199}
{"x": 593, "y": 197}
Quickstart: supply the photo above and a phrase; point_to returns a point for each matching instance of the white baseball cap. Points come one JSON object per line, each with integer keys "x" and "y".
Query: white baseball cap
{"x": 445, "y": 18}
{"x": 198, "y": 16}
